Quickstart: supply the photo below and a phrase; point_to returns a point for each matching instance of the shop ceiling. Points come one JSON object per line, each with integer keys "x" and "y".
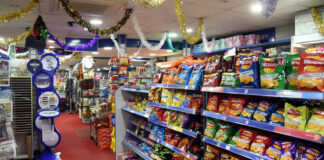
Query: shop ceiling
{"x": 222, "y": 17}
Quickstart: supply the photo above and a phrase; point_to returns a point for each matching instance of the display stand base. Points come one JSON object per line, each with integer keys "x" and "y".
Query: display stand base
{"x": 48, "y": 154}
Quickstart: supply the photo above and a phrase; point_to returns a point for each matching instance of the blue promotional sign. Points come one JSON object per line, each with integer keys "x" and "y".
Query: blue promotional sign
{"x": 81, "y": 41}
{"x": 266, "y": 35}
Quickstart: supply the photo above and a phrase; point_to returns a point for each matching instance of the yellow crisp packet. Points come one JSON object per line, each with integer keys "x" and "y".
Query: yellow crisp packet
{"x": 295, "y": 117}
{"x": 316, "y": 122}
{"x": 166, "y": 97}
{"x": 178, "y": 97}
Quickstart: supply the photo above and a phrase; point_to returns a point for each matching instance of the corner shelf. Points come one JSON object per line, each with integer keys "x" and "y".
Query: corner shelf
{"x": 266, "y": 92}
{"x": 136, "y": 150}
{"x": 267, "y": 127}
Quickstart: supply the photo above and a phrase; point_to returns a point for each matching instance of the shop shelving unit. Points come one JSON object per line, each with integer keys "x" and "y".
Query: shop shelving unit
{"x": 175, "y": 86}
{"x": 137, "y": 151}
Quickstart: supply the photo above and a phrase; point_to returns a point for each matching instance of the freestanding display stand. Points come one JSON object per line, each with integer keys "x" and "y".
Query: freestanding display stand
{"x": 47, "y": 100}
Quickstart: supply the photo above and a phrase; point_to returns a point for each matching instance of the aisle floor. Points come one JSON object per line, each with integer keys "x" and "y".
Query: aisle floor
{"x": 72, "y": 146}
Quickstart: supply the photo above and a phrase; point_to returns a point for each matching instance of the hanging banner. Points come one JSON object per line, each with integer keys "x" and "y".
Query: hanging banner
{"x": 81, "y": 41}
{"x": 266, "y": 35}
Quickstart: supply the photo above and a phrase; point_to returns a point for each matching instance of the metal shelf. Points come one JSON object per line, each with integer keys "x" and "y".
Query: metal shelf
{"x": 267, "y": 127}
{"x": 175, "y": 128}
{"x": 135, "y": 112}
{"x": 175, "y": 86}
{"x": 137, "y": 151}
{"x": 135, "y": 90}
{"x": 266, "y": 92}
{"x": 140, "y": 137}
{"x": 180, "y": 109}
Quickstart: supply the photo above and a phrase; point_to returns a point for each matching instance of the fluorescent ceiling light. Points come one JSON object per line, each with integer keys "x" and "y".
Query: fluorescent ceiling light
{"x": 256, "y": 8}
{"x": 169, "y": 50}
{"x": 173, "y": 35}
{"x": 107, "y": 48}
{"x": 96, "y": 22}
{"x": 95, "y": 52}
{"x": 189, "y": 30}
{"x": 50, "y": 46}
{"x": 75, "y": 41}
{"x": 50, "y": 41}
{"x": 86, "y": 29}
{"x": 2, "y": 39}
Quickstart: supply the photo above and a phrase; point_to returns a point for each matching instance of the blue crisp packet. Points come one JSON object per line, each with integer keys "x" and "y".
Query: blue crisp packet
{"x": 249, "y": 72}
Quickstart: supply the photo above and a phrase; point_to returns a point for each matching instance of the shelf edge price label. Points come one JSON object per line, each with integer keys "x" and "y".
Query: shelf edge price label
{"x": 290, "y": 94}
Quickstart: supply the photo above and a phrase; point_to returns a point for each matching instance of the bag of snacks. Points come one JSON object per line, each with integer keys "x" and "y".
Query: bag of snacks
{"x": 312, "y": 153}
{"x": 169, "y": 134}
{"x": 264, "y": 110}
{"x": 236, "y": 106}
{"x": 293, "y": 62}
{"x": 213, "y": 65}
{"x": 181, "y": 118}
{"x": 196, "y": 76}
{"x": 178, "y": 97}
{"x": 176, "y": 139}
{"x": 228, "y": 64}
{"x": 301, "y": 149}
{"x": 230, "y": 80}
{"x": 224, "y": 132}
{"x": 316, "y": 122}
{"x": 157, "y": 95}
{"x": 212, "y": 79}
{"x": 166, "y": 97}
{"x": 260, "y": 144}
{"x": 184, "y": 75}
{"x": 289, "y": 150}
{"x": 249, "y": 72}
{"x": 212, "y": 153}
{"x": 249, "y": 110}
{"x": 151, "y": 94}
{"x": 196, "y": 100}
{"x": 277, "y": 118}
{"x": 310, "y": 72}
{"x": 223, "y": 106}
{"x": 274, "y": 151}
{"x": 211, "y": 128}
{"x": 272, "y": 72}
{"x": 184, "y": 143}
{"x": 243, "y": 138}
{"x": 123, "y": 61}
{"x": 186, "y": 101}
{"x": 295, "y": 117}
{"x": 213, "y": 102}
{"x": 166, "y": 116}
{"x": 173, "y": 117}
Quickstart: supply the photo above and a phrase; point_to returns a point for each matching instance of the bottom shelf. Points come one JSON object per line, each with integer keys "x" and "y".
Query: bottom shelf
{"x": 236, "y": 150}
{"x": 137, "y": 151}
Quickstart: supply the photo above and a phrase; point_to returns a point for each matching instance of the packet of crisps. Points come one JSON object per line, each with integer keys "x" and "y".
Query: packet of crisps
{"x": 316, "y": 122}
{"x": 166, "y": 97}
{"x": 230, "y": 80}
{"x": 178, "y": 97}
{"x": 274, "y": 151}
{"x": 249, "y": 110}
{"x": 289, "y": 150}
{"x": 312, "y": 153}
{"x": 301, "y": 150}
{"x": 293, "y": 62}
{"x": 187, "y": 100}
{"x": 211, "y": 128}
{"x": 265, "y": 108}
{"x": 213, "y": 102}
{"x": 184, "y": 75}
{"x": 310, "y": 72}
{"x": 224, "y": 132}
{"x": 236, "y": 106}
{"x": 277, "y": 118}
{"x": 295, "y": 117}
{"x": 243, "y": 138}
{"x": 223, "y": 106}
{"x": 249, "y": 72}
{"x": 260, "y": 144}
{"x": 196, "y": 76}
{"x": 272, "y": 72}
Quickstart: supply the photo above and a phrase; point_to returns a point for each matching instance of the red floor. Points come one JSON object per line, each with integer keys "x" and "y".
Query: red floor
{"x": 74, "y": 148}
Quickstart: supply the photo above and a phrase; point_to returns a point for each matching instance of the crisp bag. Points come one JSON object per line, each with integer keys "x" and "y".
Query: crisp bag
{"x": 213, "y": 102}
{"x": 236, "y": 106}
{"x": 249, "y": 110}
{"x": 295, "y": 117}
{"x": 178, "y": 97}
{"x": 272, "y": 72}
{"x": 249, "y": 72}
{"x": 184, "y": 75}
{"x": 311, "y": 72}
{"x": 166, "y": 97}
{"x": 292, "y": 65}
{"x": 243, "y": 138}
{"x": 316, "y": 122}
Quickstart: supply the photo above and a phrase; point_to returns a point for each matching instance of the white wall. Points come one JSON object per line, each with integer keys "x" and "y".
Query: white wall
{"x": 285, "y": 31}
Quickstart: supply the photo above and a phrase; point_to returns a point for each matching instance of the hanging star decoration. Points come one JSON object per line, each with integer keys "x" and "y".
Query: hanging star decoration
{"x": 19, "y": 13}
{"x": 182, "y": 22}
{"x": 40, "y": 31}
{"x": 85, "y": 24}
{"x": 317, "y": 18}
{"x": 18, "y": 38}
{"x": 149, "y": 3}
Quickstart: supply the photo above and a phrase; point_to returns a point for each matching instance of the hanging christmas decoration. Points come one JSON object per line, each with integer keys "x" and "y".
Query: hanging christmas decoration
{"x": 69, "y": 57}
{"x": 208, "y": 48}
{"x": 74, "y": 48}
{"x": 40, "y": 31}
{"x": 112, "y": 37}
{"x": 182, "y": 22}
{"x": 135, "y": 54}
{"x": 149, "y": 3}
{"x": 17, "y": 39}
{"x": 317, "y": 18}
{"x": 12, "y": 51}
{"x": 143, "y": 39}
{"x": 170, "y": 45}
{"x": 85, "y": 24}
{"x": 19, "y": 13}
{"x": 268, "y": 7}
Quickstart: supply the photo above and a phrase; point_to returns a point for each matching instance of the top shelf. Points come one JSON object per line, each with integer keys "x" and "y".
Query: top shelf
{"x": 135, "y": 90}
{"x": 266, "y": 92}
{"x": 286, "y": 41}
{"x": 175, "y": 86}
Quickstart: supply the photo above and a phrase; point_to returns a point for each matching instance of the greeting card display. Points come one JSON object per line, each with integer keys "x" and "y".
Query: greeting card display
{"x": 48, "y": 101}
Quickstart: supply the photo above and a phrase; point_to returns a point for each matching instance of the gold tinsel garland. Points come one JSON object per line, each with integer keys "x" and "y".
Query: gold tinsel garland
{"x": 17, "y": 39}
{"x": 182, "y": 22}
{"x": 149, "y": 3}
{"x": 19, "y": 13}
{"x": 317, "y": 18}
